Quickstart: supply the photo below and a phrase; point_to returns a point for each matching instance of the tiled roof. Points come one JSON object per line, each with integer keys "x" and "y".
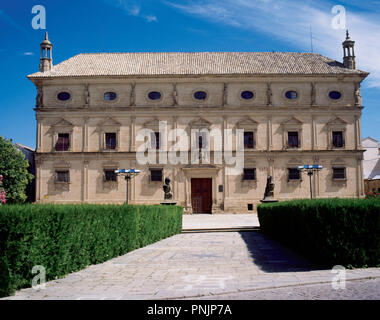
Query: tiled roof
{"x": 196, "y": 63}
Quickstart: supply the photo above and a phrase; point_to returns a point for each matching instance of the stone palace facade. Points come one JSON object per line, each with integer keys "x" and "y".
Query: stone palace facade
{"x": 294, "y": 108}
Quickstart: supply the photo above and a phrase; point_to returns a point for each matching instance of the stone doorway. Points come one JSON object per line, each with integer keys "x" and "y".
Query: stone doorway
{"x": 201, "y": 195}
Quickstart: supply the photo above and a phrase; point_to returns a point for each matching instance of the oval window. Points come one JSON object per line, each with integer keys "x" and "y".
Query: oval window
{"x": 109, "y": 96}
{"x": 247, "y": 95}
{"x": 63, "y": 96}
{"x": 154, "y": 95}
{"x": 291, "y": 95}
{"x": 200, "y": 95}
{"x": 335, "y": 95}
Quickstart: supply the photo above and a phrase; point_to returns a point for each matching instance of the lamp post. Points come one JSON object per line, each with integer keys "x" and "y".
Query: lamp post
{"x": 128, "y": 175}
{"x": 310, "y": 169}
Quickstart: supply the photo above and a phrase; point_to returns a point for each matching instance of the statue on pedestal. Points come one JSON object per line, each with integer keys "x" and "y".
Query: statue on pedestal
{"x": 269, "y": 191}
{"x": 167, "y": 189}
{"x": 168, "y": 197}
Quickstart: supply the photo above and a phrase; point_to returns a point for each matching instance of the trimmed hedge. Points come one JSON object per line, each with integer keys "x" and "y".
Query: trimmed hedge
{"x": 327, "y": 231}
{"x": 67, "y": 238}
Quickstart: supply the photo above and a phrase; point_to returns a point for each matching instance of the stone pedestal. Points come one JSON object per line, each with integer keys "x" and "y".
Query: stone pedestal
{"x": 268, "y": 200}
{"x": 169, "y": 203}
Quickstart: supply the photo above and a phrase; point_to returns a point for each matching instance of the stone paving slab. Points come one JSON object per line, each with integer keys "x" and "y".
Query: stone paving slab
{"x": 192, "y": 265}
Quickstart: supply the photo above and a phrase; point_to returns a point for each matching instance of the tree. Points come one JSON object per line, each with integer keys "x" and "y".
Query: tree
{"x": 13, "y": 168}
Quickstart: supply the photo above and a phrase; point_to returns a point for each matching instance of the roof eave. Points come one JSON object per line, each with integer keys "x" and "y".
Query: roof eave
{"x": 362, "y": 74}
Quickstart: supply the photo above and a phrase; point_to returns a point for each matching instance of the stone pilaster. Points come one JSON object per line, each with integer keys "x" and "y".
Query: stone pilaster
{"x": 314, "y": 139}
{"x": 132, "y": 137}
{"x": 85, "y": 134}
{"x": 269, "y": 134}
{"x": 85, "y": 181}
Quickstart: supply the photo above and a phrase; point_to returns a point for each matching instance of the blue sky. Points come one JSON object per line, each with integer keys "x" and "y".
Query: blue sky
{"x": 77, "y": 26}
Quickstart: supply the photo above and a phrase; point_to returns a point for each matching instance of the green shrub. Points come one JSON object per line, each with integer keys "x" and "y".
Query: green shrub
{"x": 67, "y": 238}
{"x": 327, "y": 231}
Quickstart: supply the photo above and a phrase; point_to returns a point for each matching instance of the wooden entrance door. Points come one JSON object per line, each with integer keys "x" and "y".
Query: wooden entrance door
{"x": 201, "y": 195}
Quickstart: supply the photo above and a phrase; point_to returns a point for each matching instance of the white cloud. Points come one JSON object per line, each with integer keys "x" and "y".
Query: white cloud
{"x": 290, "y": 21}
{"x": 133, "y": 8}
{"x": 28, "y": 54}
{"x": 151, "y": 18}
{"x": 133, "y": 11}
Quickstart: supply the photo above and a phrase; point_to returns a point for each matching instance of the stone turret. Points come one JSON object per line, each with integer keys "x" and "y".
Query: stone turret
{"x": 349, "y": 53}
{"x": 46, "y": 60}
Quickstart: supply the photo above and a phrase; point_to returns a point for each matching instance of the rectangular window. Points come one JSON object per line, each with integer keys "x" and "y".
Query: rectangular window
{"x": 155, "y": 174}
{"x": 110, "y": 140}
{"x": 293, "y": 141}
{"x": 249, "y": 174}
{"x": 249, "y": 142}
{"x": 62, "y": 176}
{"x": 294, "y": 174}
{"x": 337, "y": 137}
{"x": 339, "y": 173}
{"x": 110, "y": 175}
{"x": 155, "y": 140}
{"x": 63, "y": 142}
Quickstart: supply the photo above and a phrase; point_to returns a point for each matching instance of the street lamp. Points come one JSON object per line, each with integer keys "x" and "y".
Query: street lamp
{"x": 310, "y": 169}
{"x": 128, "y": 175}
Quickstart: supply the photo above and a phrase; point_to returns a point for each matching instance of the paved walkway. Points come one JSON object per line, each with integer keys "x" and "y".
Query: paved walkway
{"x": 229, "y": 265}
{"x": 364, "y": 289}
{"x": 211, "y": 221}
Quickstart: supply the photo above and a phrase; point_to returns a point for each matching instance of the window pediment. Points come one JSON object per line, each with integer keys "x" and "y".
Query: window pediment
{"x": 336, "y": 123}
{"x": 247, "y": 123}
{"x": 62, "y": 123}
{"x": 200, "y": 123}
{"x": 109, "y": 122}
{"x": 153, "y": 124}
{"x": 292, "y": 122}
